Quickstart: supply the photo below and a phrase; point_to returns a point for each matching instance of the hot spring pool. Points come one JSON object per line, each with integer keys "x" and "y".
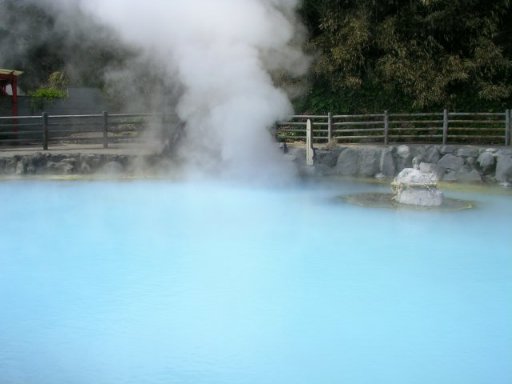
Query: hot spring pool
{"x": 161, "y": 282}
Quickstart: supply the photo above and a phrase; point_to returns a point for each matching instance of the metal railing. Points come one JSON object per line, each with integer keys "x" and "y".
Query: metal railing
{"x": 385, "y": 128}
{"x": 102, "y": 129}
{"x": 381, "y": 128}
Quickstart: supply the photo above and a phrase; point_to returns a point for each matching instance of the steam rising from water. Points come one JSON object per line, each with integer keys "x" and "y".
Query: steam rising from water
{"x": 223, "y": 54}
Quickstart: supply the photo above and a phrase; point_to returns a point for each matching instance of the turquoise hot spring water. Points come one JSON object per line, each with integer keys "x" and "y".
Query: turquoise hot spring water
{"x": 174, "y": 282}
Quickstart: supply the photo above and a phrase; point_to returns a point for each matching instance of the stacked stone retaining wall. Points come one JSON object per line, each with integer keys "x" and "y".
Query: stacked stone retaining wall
{"x": 469, "y": 164}
{"x": 41, "y": 163}
{"x": 455, "y": 163}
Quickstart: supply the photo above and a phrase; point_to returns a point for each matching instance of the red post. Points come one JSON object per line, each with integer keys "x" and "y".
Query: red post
{"x": 14, "y": 86}
{"x": 10, "y": 77}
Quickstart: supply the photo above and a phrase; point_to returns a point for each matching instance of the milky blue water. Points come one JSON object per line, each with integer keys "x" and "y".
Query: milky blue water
{"x": 162, "y": 282}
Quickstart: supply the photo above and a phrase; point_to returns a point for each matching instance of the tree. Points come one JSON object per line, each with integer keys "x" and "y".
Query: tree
{"x": 410, "y": 55}
{"x": 42, "y": 39}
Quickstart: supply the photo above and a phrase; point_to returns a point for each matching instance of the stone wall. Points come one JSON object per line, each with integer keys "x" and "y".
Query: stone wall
{"x": 47, "y": 163}
{"x": 453, "y": 163}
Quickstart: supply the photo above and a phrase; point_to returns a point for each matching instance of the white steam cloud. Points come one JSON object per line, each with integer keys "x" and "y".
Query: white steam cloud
{"x": 223, "y": 54}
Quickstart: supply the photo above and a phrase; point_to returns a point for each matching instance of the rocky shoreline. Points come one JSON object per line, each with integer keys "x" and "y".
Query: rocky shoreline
{"x": 58, "y": 164}
{"x": 451, "y": 163}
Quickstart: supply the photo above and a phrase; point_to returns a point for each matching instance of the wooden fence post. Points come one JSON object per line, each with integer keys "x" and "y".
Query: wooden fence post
{"x": 310, "y": 152}
{"x": 329, "y": 128}
{"x": 386, "y": 127}
{"x": 45, "y": 131}
{"x": 508, "y": 127}
{"x": 105, "y": 129}
{"x": 445, "y": 127}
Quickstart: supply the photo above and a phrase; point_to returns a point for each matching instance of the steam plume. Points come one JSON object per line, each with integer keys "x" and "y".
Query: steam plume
{"x": 223, "y": 54}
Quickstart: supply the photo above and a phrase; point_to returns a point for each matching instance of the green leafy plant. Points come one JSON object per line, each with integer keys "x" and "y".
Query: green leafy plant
{"x": 55, "y": 90}
{"x": 42, "y": 96}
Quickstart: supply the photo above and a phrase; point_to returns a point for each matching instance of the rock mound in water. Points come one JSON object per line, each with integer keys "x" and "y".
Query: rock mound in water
{"x": 415, "y": 187}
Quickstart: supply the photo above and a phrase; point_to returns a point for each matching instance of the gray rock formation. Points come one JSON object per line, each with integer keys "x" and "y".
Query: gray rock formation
{"x": 403, "y": 157}
{"x": 387, "y": 165}
{"x": 432, "y": 155}
{"x": 62, "y": 167}
{"x": 403, "y": 151}
{"x": 504, "y": 169}
{"x": 451, "y": 162}
{"x": 326, "y": 157}
{"x": 415, "y": 187}
{"x": 369, "y": 162}
{"x": 347, "y": 164}
{"x": 468, "y": 152}
{"x": 432, "y": 168}
{"x": 448, "y": 149}
{"x": 468, "y": 175}
{"x": 486, "y": 161}
{"x": 112, "y": 168}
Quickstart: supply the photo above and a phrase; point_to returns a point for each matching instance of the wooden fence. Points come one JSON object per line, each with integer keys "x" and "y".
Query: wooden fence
{"x": 102, "y": 129}
{"x": 386, "y": 128}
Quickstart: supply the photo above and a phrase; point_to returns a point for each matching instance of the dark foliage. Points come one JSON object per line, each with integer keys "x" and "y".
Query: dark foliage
{"x": 40, "y": 39}
{"x": 409, "y": 55}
